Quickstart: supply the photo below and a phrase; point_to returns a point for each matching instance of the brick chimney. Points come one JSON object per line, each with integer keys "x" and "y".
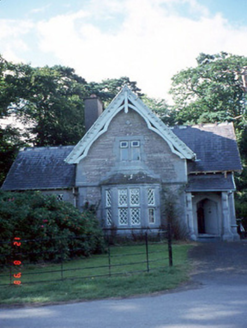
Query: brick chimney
{"x": 92, "y": 110}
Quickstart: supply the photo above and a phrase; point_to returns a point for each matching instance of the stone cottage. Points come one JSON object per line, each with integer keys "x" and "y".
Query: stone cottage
{"x": 129, "y": 160}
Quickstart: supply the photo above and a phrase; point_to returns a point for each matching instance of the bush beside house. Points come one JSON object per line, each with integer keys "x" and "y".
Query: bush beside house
{"x": 54, "y": 226}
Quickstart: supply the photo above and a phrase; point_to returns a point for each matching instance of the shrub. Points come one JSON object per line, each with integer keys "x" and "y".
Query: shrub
{"x": 54, "y": 227}
{"x": 171, "y": 212}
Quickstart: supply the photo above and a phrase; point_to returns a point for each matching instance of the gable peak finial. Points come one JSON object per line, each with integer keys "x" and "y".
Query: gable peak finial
{"x": 126, "y": 88}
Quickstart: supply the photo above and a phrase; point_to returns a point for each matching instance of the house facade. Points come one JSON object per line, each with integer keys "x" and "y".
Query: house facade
{"x": 129, "y": 161}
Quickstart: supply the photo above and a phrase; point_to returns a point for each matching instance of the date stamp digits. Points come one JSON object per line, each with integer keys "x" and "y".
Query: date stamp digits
{"x": 17, "y": 261}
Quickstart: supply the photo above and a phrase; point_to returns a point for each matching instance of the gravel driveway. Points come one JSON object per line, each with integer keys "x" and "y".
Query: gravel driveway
{"x": 216, "y": 297}
{"x": 218, "y": 262}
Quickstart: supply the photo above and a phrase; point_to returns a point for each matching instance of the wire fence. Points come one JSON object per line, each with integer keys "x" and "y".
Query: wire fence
{"x": 140, "y": 251}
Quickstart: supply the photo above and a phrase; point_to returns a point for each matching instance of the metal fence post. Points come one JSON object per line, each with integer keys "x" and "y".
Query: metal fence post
{"x": 61, "y": 267}
{"x": 147, "y": 258}
{"x": 10, "y": 273}
{"x": 169, "y": 239}
{"x": 109, "y": 261}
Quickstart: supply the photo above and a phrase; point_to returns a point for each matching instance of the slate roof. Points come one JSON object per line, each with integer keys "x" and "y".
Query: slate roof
{"x": 210, "y": 182}
{"x": 44, "y": 168}
{"x": 41, "y": 168}
{"x": 214, "y": 144}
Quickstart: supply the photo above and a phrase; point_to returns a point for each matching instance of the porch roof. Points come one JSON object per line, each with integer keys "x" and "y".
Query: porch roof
{"x": 210, "y": 182}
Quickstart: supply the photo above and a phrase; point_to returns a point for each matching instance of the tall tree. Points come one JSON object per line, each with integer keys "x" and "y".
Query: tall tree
{"x": 51, "y": 101}
{"x": 215, "y": 91}
{"x": 212, "y": 91}
{"x": 109, "y": 88}
{"x": 10, "y": 137}
{"x": 161, "y": 109}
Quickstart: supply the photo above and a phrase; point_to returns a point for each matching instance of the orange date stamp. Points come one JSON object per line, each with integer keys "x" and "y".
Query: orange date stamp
{"x": 17, "y": 263}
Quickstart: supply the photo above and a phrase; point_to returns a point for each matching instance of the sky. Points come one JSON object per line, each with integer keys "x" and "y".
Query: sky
{"x": 148, "y": 41}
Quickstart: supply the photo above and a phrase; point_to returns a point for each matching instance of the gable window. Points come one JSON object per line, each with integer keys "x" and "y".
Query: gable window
{"x": 130, "y": 150}
{"x": 124, "y": 150}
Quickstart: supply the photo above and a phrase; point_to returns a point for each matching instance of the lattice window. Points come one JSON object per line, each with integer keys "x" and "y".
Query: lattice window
{"x": 122, "y": 197}
{"x": 123, "y": 216}
{"x": 151, "y": 197}
{"x": 108, "y": 217}
{"x": 151, "y": 215}
{"x": 59, "y": 197}
{"x": 134, "y": 197}
{"x": 108, "y": 199}
{"x": 135, "y": 216}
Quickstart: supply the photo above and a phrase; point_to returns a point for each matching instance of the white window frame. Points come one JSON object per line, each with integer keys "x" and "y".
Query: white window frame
{"x": 132, "y": 144}
{"x": 122, "y": 144}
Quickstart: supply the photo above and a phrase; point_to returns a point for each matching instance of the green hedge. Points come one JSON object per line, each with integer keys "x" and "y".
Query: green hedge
{"x": 54, "y": 227}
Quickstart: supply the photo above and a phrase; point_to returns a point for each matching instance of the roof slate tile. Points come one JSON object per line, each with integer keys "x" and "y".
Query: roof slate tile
{"x": 214, "y": 144}
{"x": 41, "y": 168}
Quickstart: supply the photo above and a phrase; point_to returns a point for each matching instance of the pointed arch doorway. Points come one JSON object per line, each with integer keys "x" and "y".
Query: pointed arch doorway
{"x": 207, "y": 217}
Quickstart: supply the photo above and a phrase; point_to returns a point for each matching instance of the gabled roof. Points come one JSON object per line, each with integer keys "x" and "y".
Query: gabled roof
{"x": 215, "y": 147}
{"x": 41, "y": 168}
{"x": 124, "y": 101}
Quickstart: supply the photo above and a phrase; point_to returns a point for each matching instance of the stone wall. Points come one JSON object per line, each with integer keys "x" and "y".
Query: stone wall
{"x": 156, "y": 160}
{"x": 156, "y": 156}
{"x": 67, "y": 195}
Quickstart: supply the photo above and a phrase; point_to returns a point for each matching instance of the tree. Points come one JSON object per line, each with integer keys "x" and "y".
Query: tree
{"x": 212, "y": 91}
{"x": 10, "y": 137}
{"x": 48, "y": 101}
{"x": 161, "y": 109}
{"x": 51, "y": 101}
{"x": 10, "y": 143}
{"x": 109, "y": 88}
{"x": 215, "y": 91}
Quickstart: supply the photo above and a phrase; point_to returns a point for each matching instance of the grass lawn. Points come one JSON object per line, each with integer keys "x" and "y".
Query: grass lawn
{"x": 160, "y": 277}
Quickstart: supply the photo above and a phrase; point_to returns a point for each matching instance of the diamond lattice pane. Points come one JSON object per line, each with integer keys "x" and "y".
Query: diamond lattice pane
{"x": 122, "y": 197}
{"x": 135, "y": 216}
{"x": 108, "y": 217}
{"x": 60, "y": 197}
{"x": 151, "y": 197}
{"x": 134, "y": 196}
{"x": 123, "y": 216}
{"x": 108, "y": 198}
